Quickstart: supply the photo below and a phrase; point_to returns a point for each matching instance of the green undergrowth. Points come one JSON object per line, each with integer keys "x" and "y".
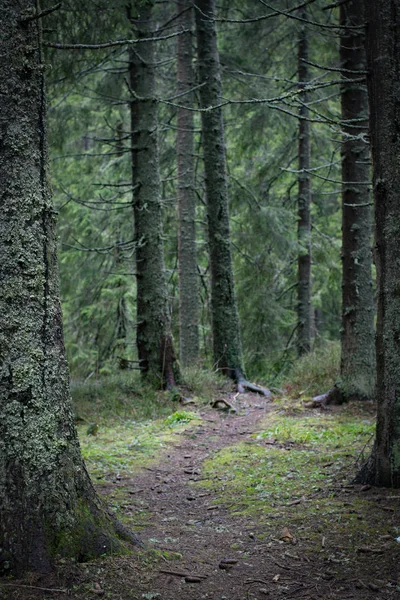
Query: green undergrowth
{"x": 123, "y": 395}
{"x": 122, "y": 447}
{"x": 203, "y": 384}
{"x": 315, "y": 372}
{"x": 294, "y": 474}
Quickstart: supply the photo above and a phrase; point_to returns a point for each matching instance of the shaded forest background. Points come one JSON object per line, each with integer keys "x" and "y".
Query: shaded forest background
{"x": 89, "y": 127}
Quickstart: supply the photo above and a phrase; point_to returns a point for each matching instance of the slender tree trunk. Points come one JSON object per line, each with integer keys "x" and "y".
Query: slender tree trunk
{"x": 120, "y": 347}
{"x": 304, "y": 320}
{"x": 383, "y": 61}
{"x": 154, "y": 340}
{"x": 357, "y": 370}
{"x": 225, "y": 320}
{"x": 47, "y": 503}
{"x": 188, "y": 276}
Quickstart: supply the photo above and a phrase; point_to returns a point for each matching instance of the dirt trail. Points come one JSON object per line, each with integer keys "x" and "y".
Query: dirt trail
{"x": 223, "y": 556}
{"x": 228, "y": 554}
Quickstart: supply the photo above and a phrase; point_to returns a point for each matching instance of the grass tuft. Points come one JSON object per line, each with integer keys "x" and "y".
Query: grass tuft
{"x": 122, "y": 395}
{"x": 315, "y": 372}
{"x": 205, "y": 384}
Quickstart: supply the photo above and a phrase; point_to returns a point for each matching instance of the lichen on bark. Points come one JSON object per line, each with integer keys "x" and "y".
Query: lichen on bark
{"x": 44, "y": 485}
{"x": 154, "y": 339}
{"x": 225, "y": 319}
{"x": 187, "y": 254}
{"x": 383, "y": 62}
{"x": 304, "y": 199}
{"x": 357, "y": 369}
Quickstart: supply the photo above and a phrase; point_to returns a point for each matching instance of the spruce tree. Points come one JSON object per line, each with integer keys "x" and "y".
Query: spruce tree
{"x": 48, "y": 505}
{"x": 383, "y": 59}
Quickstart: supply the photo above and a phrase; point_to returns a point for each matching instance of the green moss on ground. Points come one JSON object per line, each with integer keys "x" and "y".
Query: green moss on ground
{"x": 123, "y": 448}
{"x": 292, "y": 473}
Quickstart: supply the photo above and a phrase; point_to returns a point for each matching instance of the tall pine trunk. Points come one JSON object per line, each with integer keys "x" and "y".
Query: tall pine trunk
{"x": 304, "y": 320}
{"x": 187, "y": 254}
{"x": 154, "y": 340}
{"x": 225, "y": 319}
{"x": 383, "y": 61}
{"x": 357, "y": 369}
{"x": 48, "y": 505}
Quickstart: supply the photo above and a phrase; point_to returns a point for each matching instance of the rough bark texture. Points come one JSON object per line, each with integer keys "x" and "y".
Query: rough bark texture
{"x": 304, "y": 320}
{"x": 187, "y": 254}
{"x": 225, "y": 320}
{"x": 383, "y": 60}
{"x": 47, "y": 503}
{"x": 153, "y": 321}
{"x": 357, "y": 369}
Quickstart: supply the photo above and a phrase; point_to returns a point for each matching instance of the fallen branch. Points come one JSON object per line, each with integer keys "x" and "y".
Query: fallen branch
{"x": 181, "y": 574}
{"x": 34, "y": 587}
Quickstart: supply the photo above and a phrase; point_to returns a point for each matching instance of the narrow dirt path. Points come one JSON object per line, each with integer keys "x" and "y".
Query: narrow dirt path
{"x": 222, "y": 555}
{"x": 210, "y": 553}
{"x": 215, "y": 547}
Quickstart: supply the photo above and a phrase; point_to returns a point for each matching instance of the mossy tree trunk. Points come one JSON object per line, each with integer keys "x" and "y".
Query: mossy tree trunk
{"x": 187, "y": 254}
{"x": 304, "y": 320}
{"x": 47, "y": 503}
{"x": 225, "y": 320}
{"x": 383, "y": 61}
{"x": 357, "y": 369}
{"x": 154, "y": 340}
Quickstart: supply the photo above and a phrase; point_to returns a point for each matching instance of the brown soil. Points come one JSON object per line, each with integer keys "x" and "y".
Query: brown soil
{"x": 224, "y": 557}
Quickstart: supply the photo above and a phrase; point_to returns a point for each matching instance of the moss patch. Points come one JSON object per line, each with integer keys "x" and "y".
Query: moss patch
{"x": 295, "y": 474}
{"x": 123, "y": 448}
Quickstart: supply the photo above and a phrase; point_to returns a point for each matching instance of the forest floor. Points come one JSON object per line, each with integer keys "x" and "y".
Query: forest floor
{"x": 251, "y": 504}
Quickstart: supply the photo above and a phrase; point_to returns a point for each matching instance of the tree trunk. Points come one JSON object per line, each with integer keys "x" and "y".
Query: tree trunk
{"x": 225, "y": 319}
{"x": 188, "y": 276}
{"x": 383, "y": 61}
{"x": 47, "y": 503}
{"x": 304, "y": 203}
{"x": 357, "y": 369}
{"x": 154, "y": 341}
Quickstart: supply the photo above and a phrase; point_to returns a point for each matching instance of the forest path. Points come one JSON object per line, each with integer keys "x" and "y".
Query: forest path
{"x": 227, "y": 556}
{"x": 185, "y": 519}
{"x": 304, "y": 532}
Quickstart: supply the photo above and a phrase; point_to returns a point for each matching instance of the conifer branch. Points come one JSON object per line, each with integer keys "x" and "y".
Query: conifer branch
{"x": 41, "y": 14}
{"x": 253, "y": 19}
{"x": 315, "y": 23}
{"x": 113, "y": 44}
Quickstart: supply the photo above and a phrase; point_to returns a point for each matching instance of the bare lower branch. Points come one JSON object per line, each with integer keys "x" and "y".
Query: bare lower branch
{"x": 41, "y": 14}
{"x": 315, "y": 23}
{"x": 112, "y": 44}
{"x": 255, "y": 19}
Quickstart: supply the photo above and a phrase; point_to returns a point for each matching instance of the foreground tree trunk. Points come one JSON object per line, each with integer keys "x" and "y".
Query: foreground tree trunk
{"x": 357, "y": 369}
{"x": 225, "y": 319}
{"x": 383, "y": 61}
{"x": 47, "y": 503}
{"x": 154, "y": 340}
{"x": 304, "y": 320}
{"x": 187, "y": 254}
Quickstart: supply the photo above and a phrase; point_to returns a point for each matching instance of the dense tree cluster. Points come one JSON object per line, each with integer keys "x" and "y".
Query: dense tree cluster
{"x": 208, "y": 165}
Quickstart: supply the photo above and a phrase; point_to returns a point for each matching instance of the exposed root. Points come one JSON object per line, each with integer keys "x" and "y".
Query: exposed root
{"x": 367, "y": 473}
{"x": 223, "y": 405}
{"x": 243, "y": 385}
{"x": 124, "y": 533}
{"x": 332, "y": 396}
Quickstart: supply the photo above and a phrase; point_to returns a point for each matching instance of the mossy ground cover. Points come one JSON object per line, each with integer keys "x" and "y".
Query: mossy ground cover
{"x": 121, "y": 448}
{"x": 267, "y": 487}
{"x": 296, "y": 472}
